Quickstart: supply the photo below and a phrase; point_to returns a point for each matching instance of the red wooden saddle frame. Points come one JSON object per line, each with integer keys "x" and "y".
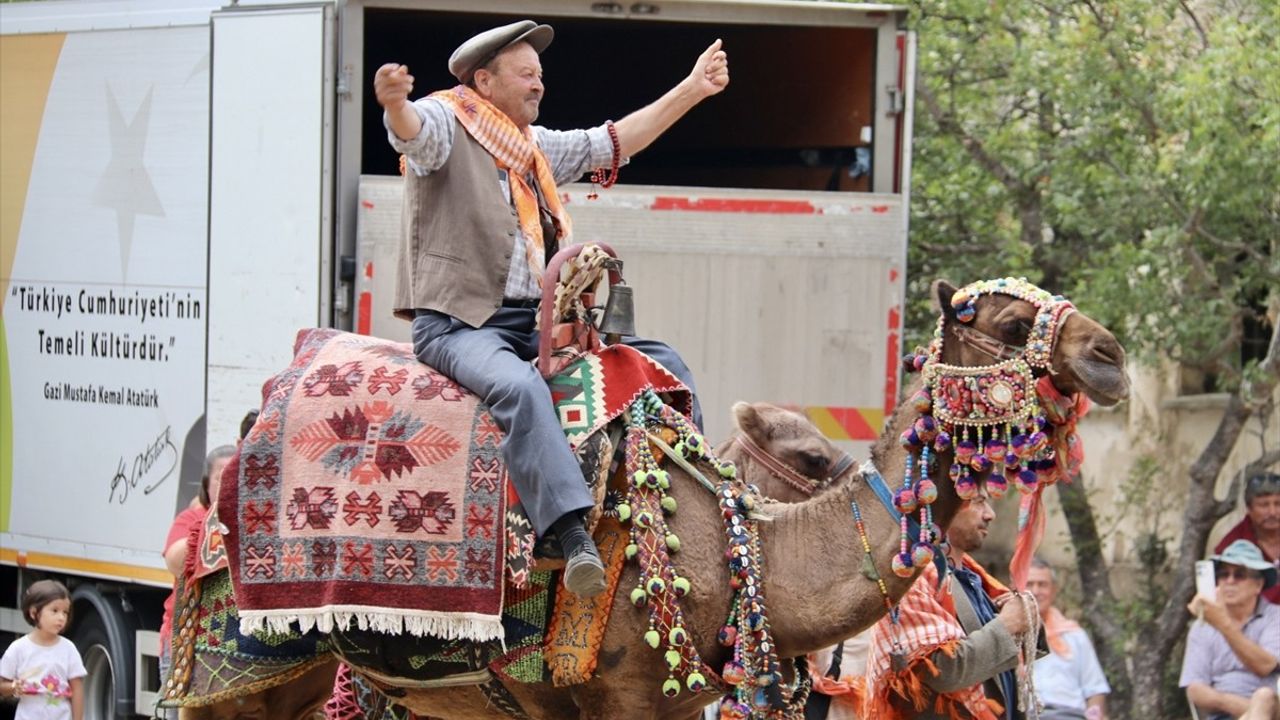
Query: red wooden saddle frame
{"x": 576, "y": 332}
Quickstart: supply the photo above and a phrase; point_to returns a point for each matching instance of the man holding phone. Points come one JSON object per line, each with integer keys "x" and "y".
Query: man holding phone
{"x": 1232, "y": 660}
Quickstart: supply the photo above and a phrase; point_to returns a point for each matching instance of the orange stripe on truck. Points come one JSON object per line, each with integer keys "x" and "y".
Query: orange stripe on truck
{"x": 846, "y": 423}
{"x": 98, "y": 568}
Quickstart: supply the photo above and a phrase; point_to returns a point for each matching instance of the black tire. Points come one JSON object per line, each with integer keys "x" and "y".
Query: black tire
{"x": 91, "y": 639}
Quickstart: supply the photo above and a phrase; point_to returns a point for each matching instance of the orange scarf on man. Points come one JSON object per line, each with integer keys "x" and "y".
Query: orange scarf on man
{"x": 1056, "y": 625}
{"x": 893, "y": 687}
{"x": 514, "y": 152}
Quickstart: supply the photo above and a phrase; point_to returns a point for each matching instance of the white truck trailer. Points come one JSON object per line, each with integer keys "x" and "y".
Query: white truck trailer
{"x": 184, "y": 184}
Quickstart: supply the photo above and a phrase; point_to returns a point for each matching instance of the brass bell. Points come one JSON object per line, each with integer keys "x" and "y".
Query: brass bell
{"x": 619, "y": 314}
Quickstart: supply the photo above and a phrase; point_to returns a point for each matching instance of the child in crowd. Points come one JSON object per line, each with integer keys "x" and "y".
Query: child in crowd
{"x": 43, "y": 669}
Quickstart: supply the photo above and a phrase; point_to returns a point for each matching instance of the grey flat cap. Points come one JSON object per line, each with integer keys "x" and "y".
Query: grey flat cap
{"x": 479, "y": 50}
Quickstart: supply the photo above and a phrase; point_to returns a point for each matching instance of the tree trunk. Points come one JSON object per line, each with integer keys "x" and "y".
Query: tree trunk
{"x": 1098, "y": 599}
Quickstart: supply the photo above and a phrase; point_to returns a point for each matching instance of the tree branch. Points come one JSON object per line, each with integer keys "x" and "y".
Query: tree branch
{"x": 950, "y": 125}
{"x": 1204, "y": 38}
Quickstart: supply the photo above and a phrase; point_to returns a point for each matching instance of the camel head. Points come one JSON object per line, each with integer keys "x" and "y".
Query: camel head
{"x": 982, "y": 324}
{"x": 790, "y": 448}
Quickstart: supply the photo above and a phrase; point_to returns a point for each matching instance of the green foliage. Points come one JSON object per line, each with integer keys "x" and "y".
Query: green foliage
{"x": 1123, "y": 153}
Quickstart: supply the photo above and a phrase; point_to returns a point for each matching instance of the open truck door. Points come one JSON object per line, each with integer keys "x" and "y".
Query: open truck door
{"x": 764, "y": 234}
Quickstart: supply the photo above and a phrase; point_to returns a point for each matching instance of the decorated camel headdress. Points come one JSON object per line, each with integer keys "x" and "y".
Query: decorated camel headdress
{"x": 1005, "y": 420}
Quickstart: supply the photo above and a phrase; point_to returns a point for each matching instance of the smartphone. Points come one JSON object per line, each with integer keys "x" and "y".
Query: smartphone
{"x": 1205, "y": 583}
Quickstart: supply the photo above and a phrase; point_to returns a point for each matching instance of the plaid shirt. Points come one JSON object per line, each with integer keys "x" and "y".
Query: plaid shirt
{"x": 571, "y": 154}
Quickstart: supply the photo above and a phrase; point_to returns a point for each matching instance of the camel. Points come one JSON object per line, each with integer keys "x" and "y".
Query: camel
{"x": 811, "y": 551}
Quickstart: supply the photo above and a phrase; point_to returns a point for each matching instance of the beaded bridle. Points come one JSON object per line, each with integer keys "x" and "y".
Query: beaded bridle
{"x": 990, "y": 415}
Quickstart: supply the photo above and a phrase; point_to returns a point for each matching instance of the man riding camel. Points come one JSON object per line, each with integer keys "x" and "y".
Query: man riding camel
{"x": 482, "y": 214}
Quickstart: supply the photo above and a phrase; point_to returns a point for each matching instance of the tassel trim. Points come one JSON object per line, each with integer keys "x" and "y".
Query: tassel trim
{"x": 447, "y": 626}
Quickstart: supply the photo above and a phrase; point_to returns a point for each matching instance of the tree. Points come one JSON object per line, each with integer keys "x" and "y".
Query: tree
{"x": 1123, "y": 153}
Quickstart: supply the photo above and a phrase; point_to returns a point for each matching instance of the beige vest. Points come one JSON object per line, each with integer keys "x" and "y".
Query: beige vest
{"x": 456, "y": 238}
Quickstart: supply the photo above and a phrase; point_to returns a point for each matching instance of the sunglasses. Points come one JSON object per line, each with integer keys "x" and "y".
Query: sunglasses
{"x": 1235, "y": 574}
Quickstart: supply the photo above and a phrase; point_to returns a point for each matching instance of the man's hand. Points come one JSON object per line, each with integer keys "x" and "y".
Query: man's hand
{"x": 392, "y": 85}
{"x": 710, "y": 73}
{"x": 1213, "y": 612}
{"x": 1013, "y": 613}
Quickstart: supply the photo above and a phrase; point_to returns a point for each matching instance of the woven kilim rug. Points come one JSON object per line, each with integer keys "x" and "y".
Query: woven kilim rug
{"x": 369, "y": 494}
{"x": 213, "y": 661}
{"x": 600, "y": 385}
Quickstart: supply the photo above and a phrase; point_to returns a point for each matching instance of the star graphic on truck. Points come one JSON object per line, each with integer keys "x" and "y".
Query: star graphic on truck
{"x": 126, "y": 185}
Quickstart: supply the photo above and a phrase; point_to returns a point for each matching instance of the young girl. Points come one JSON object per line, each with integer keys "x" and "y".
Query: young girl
{"x": 42, "y": 668}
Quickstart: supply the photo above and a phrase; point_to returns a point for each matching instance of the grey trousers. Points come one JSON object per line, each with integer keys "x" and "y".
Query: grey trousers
{"x": 492, "y": 361}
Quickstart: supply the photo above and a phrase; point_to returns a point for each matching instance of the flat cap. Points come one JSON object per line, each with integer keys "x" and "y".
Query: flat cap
{"x": 479, "y": 50}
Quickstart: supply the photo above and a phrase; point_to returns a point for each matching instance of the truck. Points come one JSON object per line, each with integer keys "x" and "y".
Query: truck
{"x": 185, "y": 183}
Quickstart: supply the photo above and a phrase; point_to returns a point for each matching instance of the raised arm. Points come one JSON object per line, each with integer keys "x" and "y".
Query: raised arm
{"x": 391, "y": 86}
{"x": 709, "y": 76}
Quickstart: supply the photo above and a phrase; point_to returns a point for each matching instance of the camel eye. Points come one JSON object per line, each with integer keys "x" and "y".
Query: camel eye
{"x": 1016, "y": 328}
{"x": 814, "y": 465}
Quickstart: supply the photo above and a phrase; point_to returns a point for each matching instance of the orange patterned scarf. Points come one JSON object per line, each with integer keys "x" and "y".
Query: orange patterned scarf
{"x": 893, "y": 688}
{"x": 515, "y": 152}
{"x": 1055, "y": 626}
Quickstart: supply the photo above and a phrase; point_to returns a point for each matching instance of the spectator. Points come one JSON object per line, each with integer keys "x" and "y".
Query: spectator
{"x": 1261, "y": 524}
{"x": 175, "y": 546}
{"x": 954, "y": 649}
{"x": 43, "y": 669}
{"x": 246, "y": 423}
{"x": 1069, "y": 679}
{"x": 1230, "y": 666}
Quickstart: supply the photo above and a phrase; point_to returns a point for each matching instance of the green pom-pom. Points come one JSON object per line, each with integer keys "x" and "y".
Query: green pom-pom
{"x": 631, "y": 551}
{"x": 638, "y": 478}
{"x": 644, "y": 519}
{"x": 681, "y": 450}
{"x": 655, "y": 585}
{"x": 696, "y": 681}
{"x": 671, "y": 687}
{"x": 673, "y": 659}
{"x": 681, "y": 586}
{"x": 639, "y": 597}
{"x": 669, "y": 504}
{"x": 673, "y": 543}
{"x": 677, "y": 636}
{"x": 728, "y": 471}
{"x": 624, "y": 512}
{"x": 664, "y": 479}
{"x": 652, "y": 638}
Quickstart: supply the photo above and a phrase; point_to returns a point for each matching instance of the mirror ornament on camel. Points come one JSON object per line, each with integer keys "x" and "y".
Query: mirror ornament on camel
{"x": 818, "y": 562}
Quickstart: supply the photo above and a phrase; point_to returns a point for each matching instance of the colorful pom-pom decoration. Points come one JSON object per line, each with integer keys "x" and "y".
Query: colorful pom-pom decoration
{"x": 901, "y": 565}
{"x": 921, "y": 554}
{"x": 905, "y": 501}
{"x": 997, "y": 486}
{"x": 926, "y": 492}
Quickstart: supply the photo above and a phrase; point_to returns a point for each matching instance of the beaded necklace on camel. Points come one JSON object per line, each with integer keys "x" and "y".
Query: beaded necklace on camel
{"x": 992, "y": 416}
{"x": 753, "y": 678}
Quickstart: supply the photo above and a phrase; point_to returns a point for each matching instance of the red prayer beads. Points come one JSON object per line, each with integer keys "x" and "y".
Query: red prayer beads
{"x": 607, "y": 178}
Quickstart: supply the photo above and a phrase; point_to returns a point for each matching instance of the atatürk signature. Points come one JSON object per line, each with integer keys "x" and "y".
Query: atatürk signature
{"x": 153, "y": 464}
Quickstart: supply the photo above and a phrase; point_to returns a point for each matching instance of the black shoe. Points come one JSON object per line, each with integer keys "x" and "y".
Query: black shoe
{"x": 548, "y": 547}
{"x": 584, "y": 573}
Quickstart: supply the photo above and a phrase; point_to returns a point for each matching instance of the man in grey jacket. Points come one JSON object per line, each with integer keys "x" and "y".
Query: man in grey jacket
{"x": 955, "y": 647}
{"x": 481, "y": 216}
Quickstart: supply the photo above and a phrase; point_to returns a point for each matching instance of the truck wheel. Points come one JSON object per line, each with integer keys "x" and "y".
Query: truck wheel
{"x": 99, "y": 685}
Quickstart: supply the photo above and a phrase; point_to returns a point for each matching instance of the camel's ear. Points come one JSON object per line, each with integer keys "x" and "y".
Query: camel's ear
{"x": 747, "y": 419}
{"x": 940, "y": 293}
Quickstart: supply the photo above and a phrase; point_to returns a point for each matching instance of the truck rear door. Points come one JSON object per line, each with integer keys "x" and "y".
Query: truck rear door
{"x": 270, "y": 196}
